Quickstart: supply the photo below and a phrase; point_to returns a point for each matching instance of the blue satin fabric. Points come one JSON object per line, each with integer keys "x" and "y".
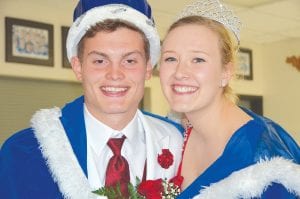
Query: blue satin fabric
{"x": 23, "y": 171}
{"x": 260, "y": 138}
{"x": 85, "y": 5}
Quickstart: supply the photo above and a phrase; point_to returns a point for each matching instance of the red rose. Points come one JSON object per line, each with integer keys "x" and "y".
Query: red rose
{"x": 177, "y": 180}
{"x": 151, "y": 189}
{"x": 165, "y": 159}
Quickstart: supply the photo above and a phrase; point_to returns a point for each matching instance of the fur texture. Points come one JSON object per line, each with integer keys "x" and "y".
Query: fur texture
{"x": 113, "y": 11}
{"x": 254, "y": 180}
{"x": 59, "y": 156}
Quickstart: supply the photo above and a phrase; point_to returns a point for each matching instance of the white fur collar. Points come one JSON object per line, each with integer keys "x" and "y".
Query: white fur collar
{"x": 59, "y": 156}
{"x": 253, "y": 180}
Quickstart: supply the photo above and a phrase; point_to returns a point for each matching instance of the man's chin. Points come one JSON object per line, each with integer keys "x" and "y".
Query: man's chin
{"x": 119, "y": 110}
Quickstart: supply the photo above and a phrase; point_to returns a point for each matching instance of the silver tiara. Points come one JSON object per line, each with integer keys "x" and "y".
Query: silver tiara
{"x": 215, "y": 10}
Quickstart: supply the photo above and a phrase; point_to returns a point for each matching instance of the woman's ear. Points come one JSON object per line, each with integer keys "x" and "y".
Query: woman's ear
{"x": 227, "y": 74}
{"x": 76, "y": 67}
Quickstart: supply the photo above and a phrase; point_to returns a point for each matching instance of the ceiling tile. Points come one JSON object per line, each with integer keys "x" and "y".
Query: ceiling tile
{"x": 294, "y": 33}
{"x": 249, "y": 3}
{"x": 289, "y": 9}
{"x": 265, "y": 22}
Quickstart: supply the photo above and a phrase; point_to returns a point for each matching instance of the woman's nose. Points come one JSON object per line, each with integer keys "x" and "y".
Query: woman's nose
{"x": 181, "y": 71}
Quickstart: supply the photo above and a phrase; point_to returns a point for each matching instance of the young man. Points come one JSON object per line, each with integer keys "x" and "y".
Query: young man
{"x": 112, "y": 46}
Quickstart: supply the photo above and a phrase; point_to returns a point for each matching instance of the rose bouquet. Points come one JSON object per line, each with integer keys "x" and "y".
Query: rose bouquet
{"x": 149, "y": 189}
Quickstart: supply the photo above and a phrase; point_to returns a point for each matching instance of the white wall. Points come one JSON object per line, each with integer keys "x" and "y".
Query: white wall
{"x": 281, "y": 85}
{"x": 55, "y": 12}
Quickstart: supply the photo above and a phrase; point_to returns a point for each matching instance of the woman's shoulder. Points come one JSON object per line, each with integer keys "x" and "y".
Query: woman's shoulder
{"x": 269, "y": 139}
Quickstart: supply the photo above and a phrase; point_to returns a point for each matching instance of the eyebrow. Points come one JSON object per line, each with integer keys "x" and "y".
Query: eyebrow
{"x": 134, "y": 52}
{"x": 168, "y": 51}
{"x": 193, "y": 51}
{"x": 124, "y": 55}
{"x": 97, "y": 53}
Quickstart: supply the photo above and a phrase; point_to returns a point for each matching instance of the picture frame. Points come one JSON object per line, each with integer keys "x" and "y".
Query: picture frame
{"x": 64, "y": 34}
{"x": 252, "y": 102}
{"x": 28, "y": 42}
{"x": 244, "y": 67}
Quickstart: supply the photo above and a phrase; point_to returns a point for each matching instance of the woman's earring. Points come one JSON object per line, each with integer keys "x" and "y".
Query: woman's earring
{"x": 223, "y": 83}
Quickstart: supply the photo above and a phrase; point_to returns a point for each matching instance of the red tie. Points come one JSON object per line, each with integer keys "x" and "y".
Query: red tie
{"x": 117, "y": 171}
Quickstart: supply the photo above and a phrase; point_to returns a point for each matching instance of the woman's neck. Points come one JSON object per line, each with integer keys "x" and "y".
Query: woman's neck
{"x": 216, "y": 124}
{"x": 209, "y": 122}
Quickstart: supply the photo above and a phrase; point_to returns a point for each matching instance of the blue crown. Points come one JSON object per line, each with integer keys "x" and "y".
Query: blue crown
{"x": 85, "y": 5}
{"x": 89, "y": 12}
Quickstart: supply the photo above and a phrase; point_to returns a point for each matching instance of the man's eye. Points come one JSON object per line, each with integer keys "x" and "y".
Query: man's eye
{"x": 98, "y": 61}
{"x": 130, "y": 61}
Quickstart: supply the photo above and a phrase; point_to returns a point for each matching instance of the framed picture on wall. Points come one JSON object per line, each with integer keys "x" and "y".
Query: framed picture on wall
{"x": 64, "y": 34}
{"x": 244, "y": 64}
{"x": 28, "y": 42}
{"x": 252, "y": 102}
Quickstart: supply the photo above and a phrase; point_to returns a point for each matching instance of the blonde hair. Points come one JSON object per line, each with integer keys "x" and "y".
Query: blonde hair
{"x": 228, "y": 47}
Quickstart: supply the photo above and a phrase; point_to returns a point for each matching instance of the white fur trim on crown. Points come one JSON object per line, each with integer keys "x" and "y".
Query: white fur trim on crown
{"x": 113, "y": 11}
{"x": 252, "y": 181}
{"x": 59, "y": 156}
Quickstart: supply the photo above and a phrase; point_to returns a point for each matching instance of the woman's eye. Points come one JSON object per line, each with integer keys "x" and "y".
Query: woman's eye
{"x": 198, "y": 60}
{"x": 170, "y": 59}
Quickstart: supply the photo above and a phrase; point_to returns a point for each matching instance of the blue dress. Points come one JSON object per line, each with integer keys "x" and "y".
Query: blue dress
{"x": 259, "y": 139}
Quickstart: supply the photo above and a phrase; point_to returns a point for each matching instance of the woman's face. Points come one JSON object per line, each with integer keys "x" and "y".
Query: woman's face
{"x": 191, "y": 71}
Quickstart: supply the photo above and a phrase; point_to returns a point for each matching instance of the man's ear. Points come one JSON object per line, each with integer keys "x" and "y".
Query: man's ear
{"x": 76, "y": 67}
{"x": 148, "y": 70}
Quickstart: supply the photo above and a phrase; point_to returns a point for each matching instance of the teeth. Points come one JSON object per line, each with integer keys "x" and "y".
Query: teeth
{"x": 184, "y": 89}
{"x": 114, "y": 89}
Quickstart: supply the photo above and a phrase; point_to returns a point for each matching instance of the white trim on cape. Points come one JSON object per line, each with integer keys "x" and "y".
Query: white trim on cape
{"x": 252, "y": 181}
{"x": 59, "y": 156}
{"x": 63, "y": 164}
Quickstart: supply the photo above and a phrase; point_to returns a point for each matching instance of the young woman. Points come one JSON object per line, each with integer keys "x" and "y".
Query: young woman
{"x": 229, "y": 152}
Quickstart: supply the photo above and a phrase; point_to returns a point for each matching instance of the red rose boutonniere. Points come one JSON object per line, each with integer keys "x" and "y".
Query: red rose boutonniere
{"x": 165, "y": 159}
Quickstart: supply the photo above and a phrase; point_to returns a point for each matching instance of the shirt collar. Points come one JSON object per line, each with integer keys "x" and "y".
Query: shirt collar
{"x": 99, "y": 133}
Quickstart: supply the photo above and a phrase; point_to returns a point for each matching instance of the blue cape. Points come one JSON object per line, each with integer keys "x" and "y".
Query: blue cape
{"x": 259, "y": 139}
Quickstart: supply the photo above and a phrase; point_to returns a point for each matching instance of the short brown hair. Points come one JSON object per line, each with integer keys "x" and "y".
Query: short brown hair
{"x": 111, "y": 25}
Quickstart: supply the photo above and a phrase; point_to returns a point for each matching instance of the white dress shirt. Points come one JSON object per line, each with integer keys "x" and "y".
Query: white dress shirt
{"x": 98, "y": 153}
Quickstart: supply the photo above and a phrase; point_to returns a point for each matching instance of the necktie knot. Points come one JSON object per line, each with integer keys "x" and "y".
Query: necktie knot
{"x": 115, "y": 144}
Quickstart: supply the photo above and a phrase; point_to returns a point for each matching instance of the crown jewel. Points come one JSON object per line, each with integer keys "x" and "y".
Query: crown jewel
{"x": 215, "y": 10}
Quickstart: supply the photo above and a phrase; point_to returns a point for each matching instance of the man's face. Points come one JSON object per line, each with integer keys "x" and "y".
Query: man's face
{"x": 113, "y": 70}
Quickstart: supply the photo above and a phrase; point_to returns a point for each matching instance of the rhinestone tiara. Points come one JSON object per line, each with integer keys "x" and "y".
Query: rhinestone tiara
{"x": 215, "y": 10}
